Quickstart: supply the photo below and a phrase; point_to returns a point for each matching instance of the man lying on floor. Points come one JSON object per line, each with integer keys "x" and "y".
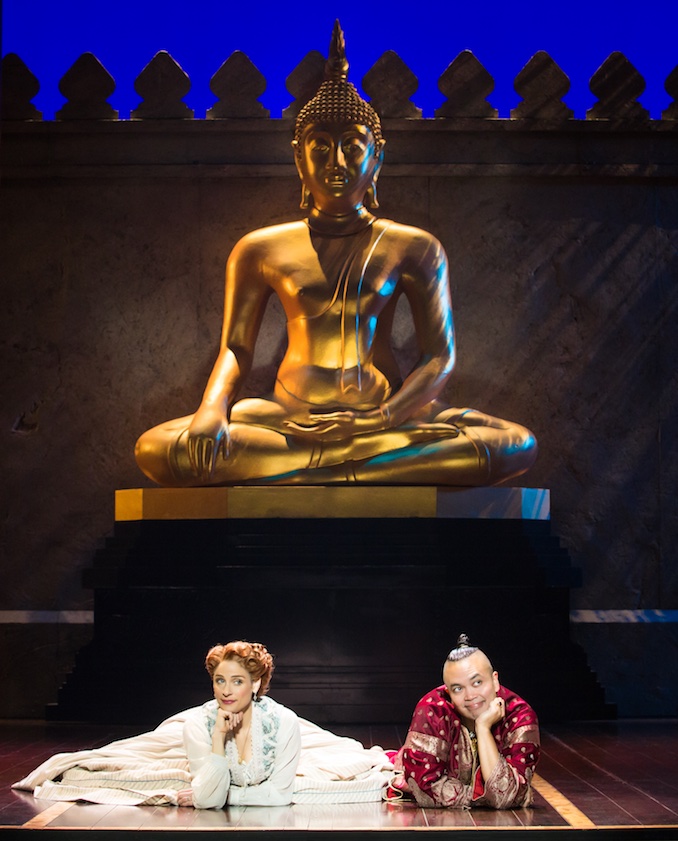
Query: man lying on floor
{"x": 472, "y": 742}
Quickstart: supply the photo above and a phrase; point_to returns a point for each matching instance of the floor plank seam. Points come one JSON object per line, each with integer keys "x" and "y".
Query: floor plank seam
{"x": 564, "y": 807}
{"x": 47, "y": 815}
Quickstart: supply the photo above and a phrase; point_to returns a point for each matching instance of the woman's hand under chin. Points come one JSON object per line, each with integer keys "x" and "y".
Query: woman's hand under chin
{"x": 227, "y": 723}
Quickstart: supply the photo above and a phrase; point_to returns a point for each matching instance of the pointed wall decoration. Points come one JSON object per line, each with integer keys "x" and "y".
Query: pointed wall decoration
{"x": 162, "y": 84}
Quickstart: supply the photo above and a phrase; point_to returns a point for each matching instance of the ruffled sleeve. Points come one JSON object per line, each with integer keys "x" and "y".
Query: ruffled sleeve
{"x": 210, "y": 773}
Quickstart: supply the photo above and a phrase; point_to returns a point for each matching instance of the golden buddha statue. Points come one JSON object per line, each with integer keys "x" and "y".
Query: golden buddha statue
{"x": 340, "y": 410}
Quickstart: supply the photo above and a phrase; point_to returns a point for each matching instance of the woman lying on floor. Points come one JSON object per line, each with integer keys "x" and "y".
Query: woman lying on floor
{"x": 241, "y": 748}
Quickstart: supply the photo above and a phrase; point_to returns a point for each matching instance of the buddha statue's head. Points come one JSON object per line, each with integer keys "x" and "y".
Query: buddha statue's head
{"x": 337, "y": 141}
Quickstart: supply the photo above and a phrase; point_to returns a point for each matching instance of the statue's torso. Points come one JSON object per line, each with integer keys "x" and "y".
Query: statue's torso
{"x": 334, "y": 291}
{"x": 339, "y": 294}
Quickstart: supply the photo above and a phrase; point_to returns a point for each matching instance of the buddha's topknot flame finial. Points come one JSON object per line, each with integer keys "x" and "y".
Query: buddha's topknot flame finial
{"x": 336, "y": 66}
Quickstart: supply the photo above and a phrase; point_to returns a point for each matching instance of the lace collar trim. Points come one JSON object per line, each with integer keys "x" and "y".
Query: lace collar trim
{"x": 264, "y": 730}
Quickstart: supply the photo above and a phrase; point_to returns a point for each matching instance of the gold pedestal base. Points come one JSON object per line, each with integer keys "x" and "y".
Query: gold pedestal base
{"x": 362, "y": 501}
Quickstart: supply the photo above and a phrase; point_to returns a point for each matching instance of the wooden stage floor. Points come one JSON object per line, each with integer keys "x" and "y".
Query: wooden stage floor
{"x": 611, "y": 779}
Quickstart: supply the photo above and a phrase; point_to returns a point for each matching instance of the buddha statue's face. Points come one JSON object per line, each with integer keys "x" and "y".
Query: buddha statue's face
{"x": 337, "y": 163}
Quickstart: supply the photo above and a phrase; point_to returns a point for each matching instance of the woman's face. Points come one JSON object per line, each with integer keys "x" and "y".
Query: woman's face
{"x": 337, "y": 164}
{"x": 233, "y": 686}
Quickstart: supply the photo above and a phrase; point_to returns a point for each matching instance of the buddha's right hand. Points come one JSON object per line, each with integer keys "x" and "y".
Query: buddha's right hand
{"x": 208, "y": 438}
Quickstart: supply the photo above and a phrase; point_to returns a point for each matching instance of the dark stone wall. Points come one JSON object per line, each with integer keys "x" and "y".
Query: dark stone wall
{"x": 563, "y": 247}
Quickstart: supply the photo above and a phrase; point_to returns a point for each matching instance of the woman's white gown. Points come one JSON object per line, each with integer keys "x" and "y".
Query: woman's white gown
{"x": 293, "y": 761}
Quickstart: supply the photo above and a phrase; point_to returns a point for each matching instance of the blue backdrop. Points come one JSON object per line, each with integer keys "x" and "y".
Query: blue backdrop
{"x": 50, "y": 35}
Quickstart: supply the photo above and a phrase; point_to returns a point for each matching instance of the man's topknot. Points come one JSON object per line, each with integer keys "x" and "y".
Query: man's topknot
{"x": 464, "y": 649}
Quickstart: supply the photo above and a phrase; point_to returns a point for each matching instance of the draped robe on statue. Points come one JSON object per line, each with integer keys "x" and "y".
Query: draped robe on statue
{"x": 438, "y": 765}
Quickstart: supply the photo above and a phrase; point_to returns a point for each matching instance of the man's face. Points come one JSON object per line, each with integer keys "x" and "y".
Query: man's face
{"x": 337, "y": 163}
{"x": 472, "y": 685}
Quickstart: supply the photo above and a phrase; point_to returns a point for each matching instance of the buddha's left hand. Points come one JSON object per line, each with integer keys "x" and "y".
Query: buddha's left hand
{"x": 336, "y": 426}
{"x": 347, "y": 423}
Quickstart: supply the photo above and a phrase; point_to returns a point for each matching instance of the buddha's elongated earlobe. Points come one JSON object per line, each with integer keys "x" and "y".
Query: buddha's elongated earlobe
{"x": 371, "y": 202}
{"x": 306, "y": 197}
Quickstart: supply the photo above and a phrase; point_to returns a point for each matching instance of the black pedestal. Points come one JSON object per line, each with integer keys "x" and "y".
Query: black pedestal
{"x": 360, "y": 614}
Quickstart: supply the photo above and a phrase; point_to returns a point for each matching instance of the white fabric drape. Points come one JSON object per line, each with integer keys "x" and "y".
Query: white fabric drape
{"x": 293, "y": 761}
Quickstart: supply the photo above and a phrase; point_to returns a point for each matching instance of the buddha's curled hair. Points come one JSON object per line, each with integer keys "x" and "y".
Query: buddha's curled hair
{"x": 337, "y": 100}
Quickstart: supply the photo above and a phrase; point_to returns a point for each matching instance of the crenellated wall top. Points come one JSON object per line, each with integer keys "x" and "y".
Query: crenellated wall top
{"x": 389, "y": 84}
{"x": 237, "y": 136}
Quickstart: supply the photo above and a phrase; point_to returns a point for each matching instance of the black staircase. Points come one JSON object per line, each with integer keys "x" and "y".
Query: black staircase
{"x": 360, "y": 614}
